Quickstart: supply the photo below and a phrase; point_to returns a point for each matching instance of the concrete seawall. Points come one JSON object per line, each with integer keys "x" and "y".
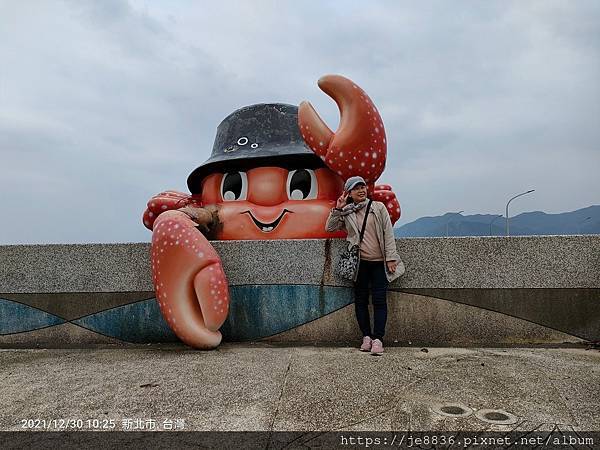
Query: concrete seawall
{"x": 456, "y": 292}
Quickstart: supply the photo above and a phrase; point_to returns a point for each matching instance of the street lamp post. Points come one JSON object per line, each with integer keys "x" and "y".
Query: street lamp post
{"x": 448, "y": 221}
{"x": 581, "y": 223}
{"x": 507, "y": 225}
{"x": 493, "y": 220}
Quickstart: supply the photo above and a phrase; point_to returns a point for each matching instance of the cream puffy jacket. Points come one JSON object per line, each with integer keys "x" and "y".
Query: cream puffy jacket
{"x": 385, "y": 233}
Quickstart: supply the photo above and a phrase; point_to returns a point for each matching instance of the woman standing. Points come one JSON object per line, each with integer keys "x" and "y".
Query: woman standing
{"x": 379, "y": 259}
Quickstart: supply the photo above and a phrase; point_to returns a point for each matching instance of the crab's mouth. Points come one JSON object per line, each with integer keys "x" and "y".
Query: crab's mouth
{"x": 267, "y": 227}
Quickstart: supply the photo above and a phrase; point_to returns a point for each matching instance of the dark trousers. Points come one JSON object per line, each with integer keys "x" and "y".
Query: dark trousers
{"x": 371, "y": 274}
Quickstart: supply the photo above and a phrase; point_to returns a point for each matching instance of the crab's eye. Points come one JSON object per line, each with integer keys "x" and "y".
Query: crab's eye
{"x": 234, "y": 186}
{"x": 302, "y": 184}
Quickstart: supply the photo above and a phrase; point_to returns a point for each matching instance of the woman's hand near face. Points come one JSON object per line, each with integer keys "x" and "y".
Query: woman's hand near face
{"x": 341, "y": 201}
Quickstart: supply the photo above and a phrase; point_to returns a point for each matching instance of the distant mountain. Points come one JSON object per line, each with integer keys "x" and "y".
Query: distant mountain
{"x": 530, "y": 223}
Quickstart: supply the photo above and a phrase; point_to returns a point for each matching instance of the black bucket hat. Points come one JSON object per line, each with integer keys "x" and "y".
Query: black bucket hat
{"x": 266, "y": 133}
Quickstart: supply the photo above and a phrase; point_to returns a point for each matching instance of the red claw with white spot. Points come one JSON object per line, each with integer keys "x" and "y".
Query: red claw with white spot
{"x": 383, "y": 193}
{"x": 359, "y": 145}
{"x": 189, "y": 281}
{"x": 166, "y": 201}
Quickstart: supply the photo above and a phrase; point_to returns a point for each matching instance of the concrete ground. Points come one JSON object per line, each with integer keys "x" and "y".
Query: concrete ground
{"x": 256, "y": 386}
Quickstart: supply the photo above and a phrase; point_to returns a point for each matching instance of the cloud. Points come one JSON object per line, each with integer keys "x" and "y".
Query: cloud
{"x": 103, "y": 104}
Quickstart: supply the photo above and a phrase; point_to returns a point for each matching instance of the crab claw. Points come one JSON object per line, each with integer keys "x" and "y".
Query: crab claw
{"x": 189, "y": 281}
{"x": 166, "y": 201}
{"x": 383, "y": 193}
{"x": 358, "y": 147}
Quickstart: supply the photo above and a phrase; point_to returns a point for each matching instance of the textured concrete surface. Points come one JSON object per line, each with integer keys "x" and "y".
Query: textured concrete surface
{"x": 419, "y": 320}
{"x": 412, "y": 319}
{"x": 469, "y": 262}
{"x": 262, "y": 387}
{"x": 457, "y": 291}
{"x": 65, "y": 335}
{"x": 75, "y": 268}
{"x": 72, "y": 305}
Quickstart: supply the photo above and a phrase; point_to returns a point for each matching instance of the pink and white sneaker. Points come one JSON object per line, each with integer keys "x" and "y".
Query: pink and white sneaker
{"x": 377, "y": 347}
{"x": 366, "y": 344}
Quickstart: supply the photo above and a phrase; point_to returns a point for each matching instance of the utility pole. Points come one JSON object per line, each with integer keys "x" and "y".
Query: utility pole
{"x": 507, "y": 226}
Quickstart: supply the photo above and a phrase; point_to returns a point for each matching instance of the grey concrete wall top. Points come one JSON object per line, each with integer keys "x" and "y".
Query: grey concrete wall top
{"x": 468, "y": 262}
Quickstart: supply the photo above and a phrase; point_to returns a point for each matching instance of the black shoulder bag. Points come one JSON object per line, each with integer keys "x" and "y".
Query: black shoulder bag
{"x": 350, "y": 258}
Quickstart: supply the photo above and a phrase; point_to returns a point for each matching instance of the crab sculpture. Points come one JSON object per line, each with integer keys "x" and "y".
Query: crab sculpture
{"x": 261, "y": 182}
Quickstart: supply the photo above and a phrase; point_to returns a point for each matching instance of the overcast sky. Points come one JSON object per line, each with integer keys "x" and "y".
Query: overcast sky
{"x": 104, "y": 103}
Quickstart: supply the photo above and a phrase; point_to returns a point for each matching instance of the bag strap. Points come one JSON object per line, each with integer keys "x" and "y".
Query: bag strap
{"x": 364, "y": 225}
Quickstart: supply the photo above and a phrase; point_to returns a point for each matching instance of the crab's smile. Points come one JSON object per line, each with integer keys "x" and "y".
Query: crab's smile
{"x": 267, "y": 227}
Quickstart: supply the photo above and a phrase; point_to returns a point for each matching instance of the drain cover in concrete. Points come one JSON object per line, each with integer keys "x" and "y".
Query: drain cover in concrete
{"x": 452, "y": 410}
{"x": 496, "y": 416}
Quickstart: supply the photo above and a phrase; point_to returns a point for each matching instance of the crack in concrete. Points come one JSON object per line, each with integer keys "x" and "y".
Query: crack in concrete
{"x": 393, "y": 403}
{"x": 516, "y": 429}
{"x": 285, "y": 378}
{"x": 311, "y": 435}
{"x": 395, "y": 400}
{"x": 559, "y": 393}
